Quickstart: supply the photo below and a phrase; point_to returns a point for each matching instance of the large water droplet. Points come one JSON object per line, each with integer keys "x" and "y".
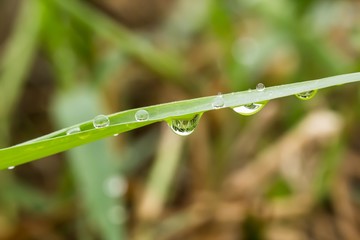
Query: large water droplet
{"x": 218, "y": 102}
{"x": 260, "y": 87}
{"x": 11, "y": 167}
{"x": 306, "y": 95}
{"x": 73, "y": 130}
{"x": 115, "y": 186}
{"x": 101, "y": 121}
{"x": 141, "y": 115}
{"x": 184, "y": 126}
{"x": 249, "y": 109}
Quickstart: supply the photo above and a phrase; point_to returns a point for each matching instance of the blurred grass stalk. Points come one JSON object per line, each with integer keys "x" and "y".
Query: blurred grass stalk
{"x": 161, "y": 175}
{"x": 93, "y": 167}
{"x": 16, "y": 60}
{"x": 167, "y": 65}
{"x": 158, "y": 187}
{"x": 309, "y": 42}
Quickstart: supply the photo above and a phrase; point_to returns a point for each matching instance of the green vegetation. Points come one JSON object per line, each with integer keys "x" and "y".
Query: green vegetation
{"x": 125, "y": 81}
{"x": 106, "y": 126}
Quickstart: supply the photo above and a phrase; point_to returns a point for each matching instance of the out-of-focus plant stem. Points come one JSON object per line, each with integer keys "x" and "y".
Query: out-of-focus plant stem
{"x": 16, "y": 60}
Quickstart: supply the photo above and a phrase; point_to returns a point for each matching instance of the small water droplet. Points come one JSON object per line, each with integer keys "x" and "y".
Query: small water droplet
{"x": 260, "y": 87}
{"x": 184, "y": 126}
{"x": 249, "y": 109}
{"x": 11, "y": 167}
{"x": 218, "y": 102}
{"x": 141, "y": 115}
{"x": 101, "y": 121}
{"x": 115, "y": 186}
{"x": 306, "y": 95}
{"x": 117, "y": 214}
{"x": 116, "y": 134}
{"x": 73, "y": 130}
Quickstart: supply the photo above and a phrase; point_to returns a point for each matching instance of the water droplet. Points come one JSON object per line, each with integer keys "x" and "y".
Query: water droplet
{"x": 184, "y": 126}
{"x": 218, "y": 102}
{"x": 73, "y": 130}
{"x": 249, "y": 109}
{"x": 11, "y": 167}
{"x": 117, "y": 214}
{"x": 306, "y": 95}
{"x": 101, "y": 121}
{"x": 141, "y": 115}
{"x": 260, "y": 87}
{"x": 115, "y": 186}
{"x": 116, "y": 134}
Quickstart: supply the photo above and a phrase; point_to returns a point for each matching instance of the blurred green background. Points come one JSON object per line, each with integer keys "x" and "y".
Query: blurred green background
{"x": 291, "y": 172}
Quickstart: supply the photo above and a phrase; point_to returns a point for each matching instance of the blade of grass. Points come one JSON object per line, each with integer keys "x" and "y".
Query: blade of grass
{"x": 132, "y": 159}
{"x": 162, "y": 63}
{"x": 16, "y": 59}
{"x": 92, "y": 166}
{"x": 328, "y": 168}
{"x": 311, "y": 44}
{"x": 161, "y": 176}
{"x": 125, "y": 121}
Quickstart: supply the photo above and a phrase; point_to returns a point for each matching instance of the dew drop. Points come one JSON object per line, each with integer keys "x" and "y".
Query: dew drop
{"x": 11, "y": 167}
{"x": 260, "y": 87}
{"x": 73, "y": 130}
{"x": 116, "y": 134}
{"x": 141, "y": 115}
{"x": 115, "y": 186}
{"x": 218, "y": 102}
{"x": 184, "y": 126}
{"x": 306, "y": 95}
{"x": 249, "y": 109}
{"x": 101, "y": 121}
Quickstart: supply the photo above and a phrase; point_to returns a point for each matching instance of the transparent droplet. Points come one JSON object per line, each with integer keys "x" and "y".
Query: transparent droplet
{"x": 218, "y": 102}
{"x": 260, "y": 87}
{"x": 101, "y": 121}
{"x": 184, "y": 126}
{"x": 117, "y": 214}
{"x": 249, "y": 109}
{"x": 306, "y": 95}
{"x": 73, "y": 130}
{"x": 11, "y": 167}
{"x": 115, "y": 186}
{"x": 116, "y": 134}
{"x": 141, "y": 115}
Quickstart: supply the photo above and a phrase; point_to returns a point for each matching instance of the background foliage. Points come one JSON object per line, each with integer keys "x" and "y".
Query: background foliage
{"x": 288, "y": 172}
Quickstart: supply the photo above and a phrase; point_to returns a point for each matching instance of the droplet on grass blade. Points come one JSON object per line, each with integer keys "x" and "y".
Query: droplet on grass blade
{"x": 141, "y": 115}
{"x": 101, "y": 121}
{"x": 306, "y": 95}
{"x": 218, "y": 102}
{"x": 11, "y": 167}
{"x": 260, "y": 87}
{"x": 249, "y": 109}
{"x": 184, "y": 126}
{"x": 73, "y": 130}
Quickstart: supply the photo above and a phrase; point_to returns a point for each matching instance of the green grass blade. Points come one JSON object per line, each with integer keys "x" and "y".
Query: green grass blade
{"x": 162, "y": 63}
{"x": 125, "y": 121}
{"x": 92, "y": 160}
{"x": 17, "y": 57}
